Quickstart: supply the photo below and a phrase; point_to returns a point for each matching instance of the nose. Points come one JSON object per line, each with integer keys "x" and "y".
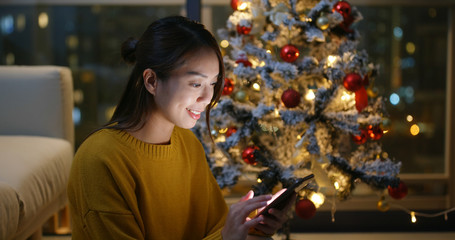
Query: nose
{"x": 206, "y": 95}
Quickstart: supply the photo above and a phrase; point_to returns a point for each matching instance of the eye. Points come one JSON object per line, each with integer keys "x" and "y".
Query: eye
{"x": 196, "y": 85}
{"x": 213, "y": 83}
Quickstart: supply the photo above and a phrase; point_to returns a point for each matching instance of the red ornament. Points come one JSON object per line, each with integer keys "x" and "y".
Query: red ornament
{"x": 230, "y": 131}
{"x": 244, "y": 30}
{"x": 305, "y": 208}
{"x": 375, "y": 132}
{"x": 245, "y": 62}
{"x": 248, "y": 155}
{"x": 362, "y": 138}
{"x": 399, "y": 192}
{"x": 289, "y": 53}
{"x": 344, "y": 8}
{"x": 290, "y": 98}
{"x": 228, "y": 86}
{"x": 235, "y": 4}
{"x": 361, "y": 99}
{"x": 352, "y": 82}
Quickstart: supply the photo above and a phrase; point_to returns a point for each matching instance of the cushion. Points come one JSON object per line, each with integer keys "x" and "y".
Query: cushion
{"x": 36, "y": 100}
{"x": 9, "y": 209}
{"x": 37, "y": 168}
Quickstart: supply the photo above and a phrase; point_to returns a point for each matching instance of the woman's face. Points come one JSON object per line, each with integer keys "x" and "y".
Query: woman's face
{"x": 184, "y": 96}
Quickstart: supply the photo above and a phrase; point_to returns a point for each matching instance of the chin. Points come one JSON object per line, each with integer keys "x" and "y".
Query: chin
{"x": 187, "y": 125}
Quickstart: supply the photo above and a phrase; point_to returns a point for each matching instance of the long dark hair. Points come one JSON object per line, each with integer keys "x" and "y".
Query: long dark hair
{"x": 161, "y": 48}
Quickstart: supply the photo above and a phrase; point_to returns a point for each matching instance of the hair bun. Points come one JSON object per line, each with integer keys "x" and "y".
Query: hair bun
{"x": 128, "y": 50}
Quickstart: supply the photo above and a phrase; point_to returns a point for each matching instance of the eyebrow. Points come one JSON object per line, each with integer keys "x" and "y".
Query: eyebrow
{"x": 197, "y": 73}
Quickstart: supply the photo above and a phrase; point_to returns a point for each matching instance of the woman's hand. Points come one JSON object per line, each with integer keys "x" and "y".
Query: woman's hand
{"x": 276, "y": 218}
{"x": 237, "y": 221}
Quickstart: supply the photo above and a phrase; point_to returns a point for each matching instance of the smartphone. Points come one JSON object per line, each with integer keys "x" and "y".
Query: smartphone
{"x": 281, "y": 201}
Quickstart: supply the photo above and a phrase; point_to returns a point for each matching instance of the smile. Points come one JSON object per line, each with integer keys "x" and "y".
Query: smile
{"x": 194, "y": 113}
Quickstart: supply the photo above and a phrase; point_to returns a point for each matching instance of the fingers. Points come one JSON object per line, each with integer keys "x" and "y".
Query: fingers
{"x": 276, "y": 218}
{"x": 243, "y": 208}
{"x": 257, "y": 202}
{"x": 249, "y": 195}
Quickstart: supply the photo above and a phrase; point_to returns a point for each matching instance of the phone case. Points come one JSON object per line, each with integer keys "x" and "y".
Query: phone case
{"x": 281, "y": 201}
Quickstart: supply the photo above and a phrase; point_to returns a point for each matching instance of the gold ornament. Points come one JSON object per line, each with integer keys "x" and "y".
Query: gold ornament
{"x": 383, "y": 205}
{"x": 372, "y": 92}
{"x": 322, "y": 22}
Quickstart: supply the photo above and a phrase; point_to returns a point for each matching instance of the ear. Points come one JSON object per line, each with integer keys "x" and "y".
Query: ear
{"x": 150, "y": 80}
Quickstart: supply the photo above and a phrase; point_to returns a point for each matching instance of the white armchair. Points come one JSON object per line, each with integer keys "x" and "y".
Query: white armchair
{"x": 36, "y": 146}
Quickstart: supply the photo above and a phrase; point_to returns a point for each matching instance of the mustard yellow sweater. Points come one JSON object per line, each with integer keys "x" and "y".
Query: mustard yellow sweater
{"x": 123, "y": 188}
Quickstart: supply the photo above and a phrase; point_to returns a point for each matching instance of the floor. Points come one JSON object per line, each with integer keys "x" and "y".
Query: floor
{"x": 345, "y": 236}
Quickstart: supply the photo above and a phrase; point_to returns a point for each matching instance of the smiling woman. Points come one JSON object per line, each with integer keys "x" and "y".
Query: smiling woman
{"x": 144, "y": 174}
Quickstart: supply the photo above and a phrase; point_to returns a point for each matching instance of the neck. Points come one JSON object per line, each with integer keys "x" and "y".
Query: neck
{"x": 154, "y": 133}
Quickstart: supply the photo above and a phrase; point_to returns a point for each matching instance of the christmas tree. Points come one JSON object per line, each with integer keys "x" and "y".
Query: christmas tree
{"x": 298, "y": 99}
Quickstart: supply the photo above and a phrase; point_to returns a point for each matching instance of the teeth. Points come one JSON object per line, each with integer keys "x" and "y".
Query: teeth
{"x": 194, "y": 111}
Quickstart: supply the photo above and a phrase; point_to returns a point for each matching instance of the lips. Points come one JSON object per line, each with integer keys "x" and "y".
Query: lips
{"x": 195, "y": 114}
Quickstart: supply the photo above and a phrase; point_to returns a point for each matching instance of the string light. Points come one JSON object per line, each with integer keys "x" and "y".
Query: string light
{"x": 310, "y": 95}
{"x": 346, "y": 96}
{"x": 331, "y": 60}
{"x": 256, "y": 86}
{"x": 277, "y": 113}
{"x": 414, "y": 214}
{"x": 413, "y": 217}
{"x": 317, "y": 198}
{"x": 224, "y": 43}
{"x": 242, "y": 6}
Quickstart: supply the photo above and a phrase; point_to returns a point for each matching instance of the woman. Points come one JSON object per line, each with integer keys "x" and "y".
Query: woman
{"x": 144, "y": 175}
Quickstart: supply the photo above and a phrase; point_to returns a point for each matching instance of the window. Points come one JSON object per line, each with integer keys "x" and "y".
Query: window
{"x": 87, "y": 38}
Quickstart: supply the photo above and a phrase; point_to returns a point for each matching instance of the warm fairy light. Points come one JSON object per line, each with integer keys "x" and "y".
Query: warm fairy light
{"x": 277, "y": 113}
{"x": 259, "y": 180}
{"x": 223, "y": 130}
{"x": 261, "y": 64}
{"x": 336, "y": 185}
{"x": 385, "y": 131}
{"x": 310, "y": 95}
{"x": 410, "y": 47}
{"x": 414, "y": 129}
{"x": 308, "y": 20}
{"x": 331, "y": 60}
{"x": 318, "y": 199}
{"x": 256, "y": 86}
{"x": 346, "y": 96}
{"x": 409, "y": 118}
{"x": 242, "y": 6}
{"x": 413, "y": 217}
{"x": 385, "y": 155}
{"x": 268, "y": 51}
{"x": 220, "y": 138}
{"x": 299, "y": 137}
{"x": 224, "y": 43}
{"x": 43, "y": 20}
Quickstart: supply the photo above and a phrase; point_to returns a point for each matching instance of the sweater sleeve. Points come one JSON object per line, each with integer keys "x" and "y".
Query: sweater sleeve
{"x": 218, "y": 209}
{"x": 107, "y": 225}
{"x": 101, "y": 195}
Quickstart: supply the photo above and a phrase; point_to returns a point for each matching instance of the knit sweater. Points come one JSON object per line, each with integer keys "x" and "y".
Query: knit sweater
{"x": 123, "y": 188}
